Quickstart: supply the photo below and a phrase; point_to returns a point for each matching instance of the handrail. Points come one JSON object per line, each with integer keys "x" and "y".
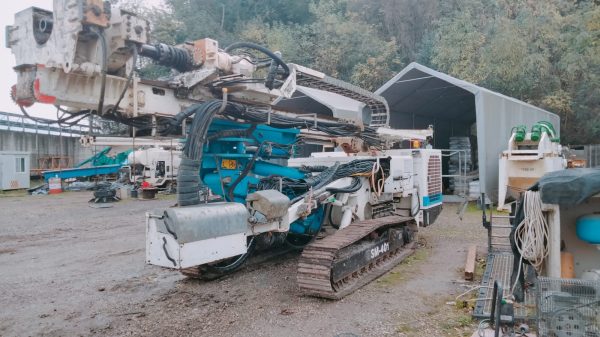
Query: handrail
{"x": 462, "y": 167}
{"x": 16, "y": 122}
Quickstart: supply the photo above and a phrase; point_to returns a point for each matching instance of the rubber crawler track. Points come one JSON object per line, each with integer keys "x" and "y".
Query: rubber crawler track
{"x": 316, "y": 261}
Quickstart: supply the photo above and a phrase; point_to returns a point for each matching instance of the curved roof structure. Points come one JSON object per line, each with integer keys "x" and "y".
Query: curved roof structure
{"x": 419, "y": 96}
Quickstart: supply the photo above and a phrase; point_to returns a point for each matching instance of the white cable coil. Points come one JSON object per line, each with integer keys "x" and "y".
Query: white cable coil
{"x": 531, "y": 235}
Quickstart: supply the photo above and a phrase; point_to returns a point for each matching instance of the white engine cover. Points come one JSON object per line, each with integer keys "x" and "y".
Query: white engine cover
{"x": 184, "y": 237}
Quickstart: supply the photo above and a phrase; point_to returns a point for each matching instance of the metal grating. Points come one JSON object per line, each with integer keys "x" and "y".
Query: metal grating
{"x": 499, "y": 232}
{"x": 568, "y": 307}
{"x": 434, "y": 174}
{"x": 499, "y": 267}
{"x": 499, "y": 239}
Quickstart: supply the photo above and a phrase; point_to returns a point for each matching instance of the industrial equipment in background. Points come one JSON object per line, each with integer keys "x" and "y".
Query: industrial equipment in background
{"x": 154, "y": 161}
{"x": 581, "y": 156}
{"x": 460, "y": 166}
{"x": 157, "y": 167}
{"x": 14, "y": 170}
{"x": 553, "y": 264}
{"x": 528, "y": 157}
{"x": 556, "y": 232}
{"x": 355, "y": 212}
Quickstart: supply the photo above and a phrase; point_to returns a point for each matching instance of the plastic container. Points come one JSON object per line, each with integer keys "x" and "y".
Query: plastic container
{"x": 588, "y": 228}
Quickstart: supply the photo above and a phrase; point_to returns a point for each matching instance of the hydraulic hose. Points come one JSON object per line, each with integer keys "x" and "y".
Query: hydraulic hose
{"x": 220, "y": 269}
{"x": 353, "y": 187}
{"x": 243, "y": 174}
{"x": 104, "y": 47}
{"x": 330, "y": 217}
{"x": 322, "y": 178}
{"x": 188, "y": 182}
{"x": 264, "y": 50}
{"x": 272, "y": 73}
{"x": 188, "y": 178}
{"x": 316, "y": 168}
{"x": 233, "y": 133}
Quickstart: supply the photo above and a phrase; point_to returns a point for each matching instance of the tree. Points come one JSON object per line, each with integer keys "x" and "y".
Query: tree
{"x": 376, "y": 70}
{"x": 543, "y": 52}
{"x": 406, "y": 22}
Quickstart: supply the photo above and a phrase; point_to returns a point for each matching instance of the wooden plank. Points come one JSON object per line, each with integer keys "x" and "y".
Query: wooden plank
{"x": 470, "y": 264}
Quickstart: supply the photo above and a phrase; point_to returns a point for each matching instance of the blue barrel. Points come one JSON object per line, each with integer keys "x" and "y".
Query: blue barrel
{"x": 588, "y": 228}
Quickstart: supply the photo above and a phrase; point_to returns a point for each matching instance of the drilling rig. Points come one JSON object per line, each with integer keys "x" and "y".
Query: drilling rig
{"x": 245, "y": 182}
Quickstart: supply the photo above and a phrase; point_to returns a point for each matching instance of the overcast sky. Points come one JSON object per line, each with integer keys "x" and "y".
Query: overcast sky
{"x": 7, "y": 60}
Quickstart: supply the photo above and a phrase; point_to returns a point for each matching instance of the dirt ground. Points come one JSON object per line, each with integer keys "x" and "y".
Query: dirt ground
{"x": 67, "y": 269}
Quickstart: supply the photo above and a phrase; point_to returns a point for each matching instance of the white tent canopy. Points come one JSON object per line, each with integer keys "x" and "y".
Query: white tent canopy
{"x": 419, "y": 96}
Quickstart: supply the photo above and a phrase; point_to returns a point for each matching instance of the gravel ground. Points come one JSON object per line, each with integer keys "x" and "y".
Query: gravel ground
{"x": 67, "y": 269}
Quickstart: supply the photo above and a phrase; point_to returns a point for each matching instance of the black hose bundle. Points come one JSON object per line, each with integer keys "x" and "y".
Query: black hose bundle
{"x": 322, "y": 178}
{"x": 316, "y": 168}
{"x": 203, "y": 115}
{"x": 188, "y": 182}
{"x": 354, "y": 186}
{"x": 233, "y": 133}
{"x": 337, "y": 129}
{"x": 188, "y": 177}
{"x": 336, "y": 172}
{"x": 355, "y": 167}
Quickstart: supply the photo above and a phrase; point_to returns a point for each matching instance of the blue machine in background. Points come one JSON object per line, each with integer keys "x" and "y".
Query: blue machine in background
{"x": 100, "y": 164}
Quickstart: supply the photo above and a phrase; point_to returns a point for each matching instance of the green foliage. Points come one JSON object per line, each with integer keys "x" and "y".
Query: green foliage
{"x": 376, "y": 70}
{"x": 543, "y": 52}
{"x": 341, "y": 40}
{"x": 291, "y": 40}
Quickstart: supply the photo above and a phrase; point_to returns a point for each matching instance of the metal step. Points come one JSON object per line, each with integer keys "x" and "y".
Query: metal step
{"x": 502, "y": 216}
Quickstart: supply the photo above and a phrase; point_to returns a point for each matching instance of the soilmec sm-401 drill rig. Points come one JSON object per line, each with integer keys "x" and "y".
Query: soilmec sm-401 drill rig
{"x": 353, "y": 212}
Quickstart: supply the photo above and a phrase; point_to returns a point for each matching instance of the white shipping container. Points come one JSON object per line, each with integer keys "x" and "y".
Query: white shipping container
{"x": 14, "y": 170}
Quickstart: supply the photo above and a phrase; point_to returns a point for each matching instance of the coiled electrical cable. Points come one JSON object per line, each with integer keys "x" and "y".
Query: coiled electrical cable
{"x": 531, "y": 235}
